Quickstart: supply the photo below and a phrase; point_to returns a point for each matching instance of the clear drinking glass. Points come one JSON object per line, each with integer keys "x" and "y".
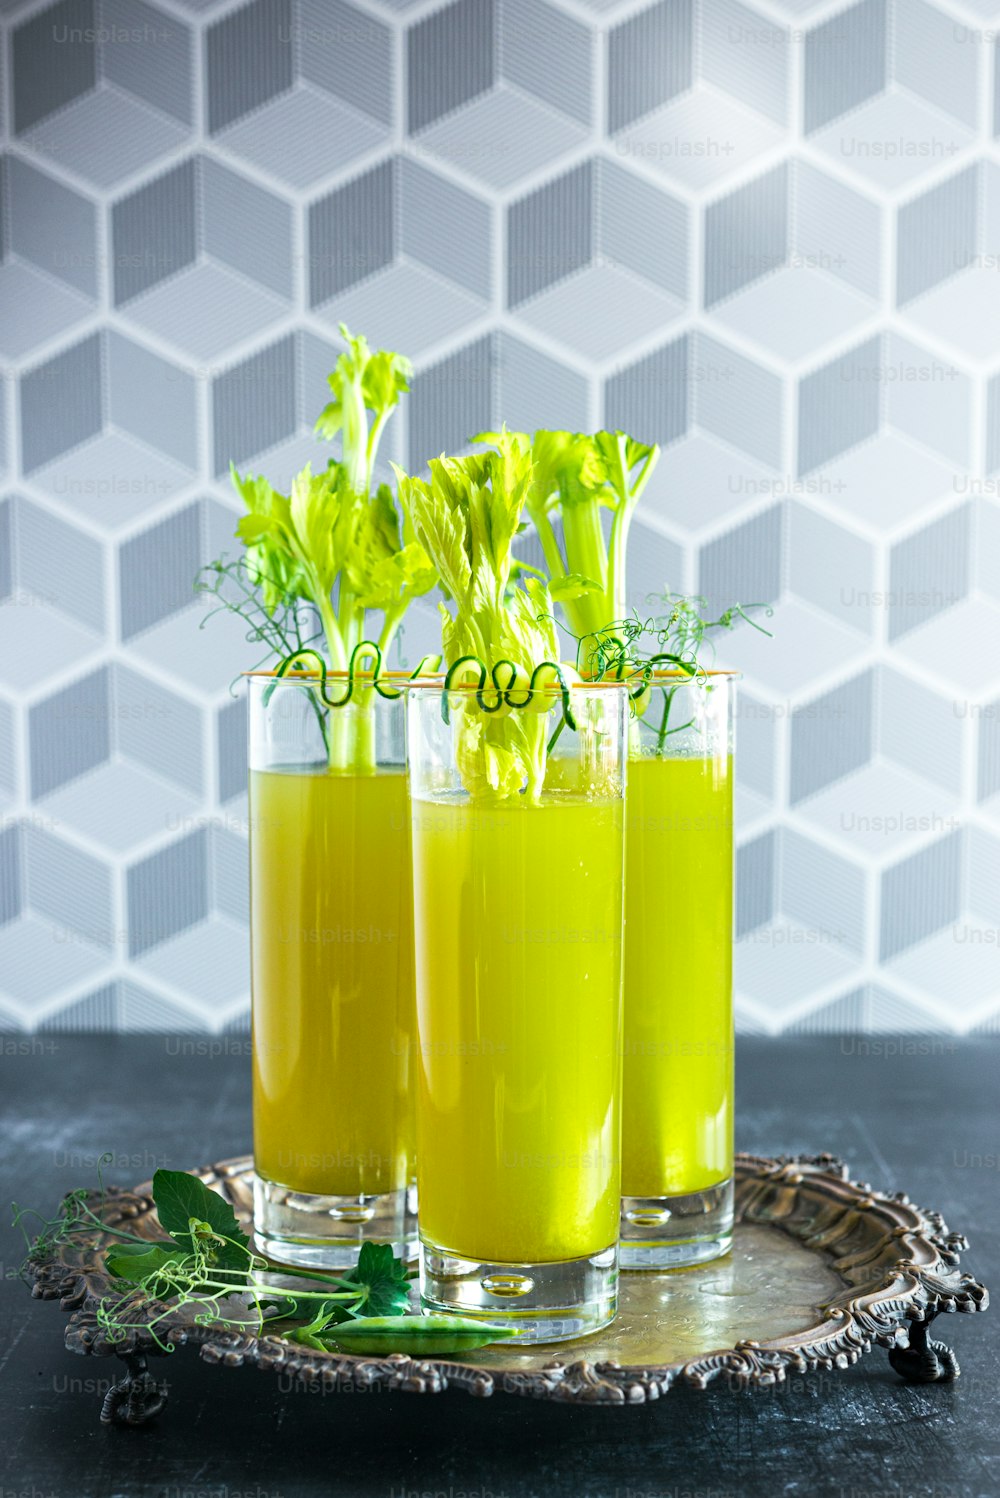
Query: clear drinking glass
{"x": 677, "y": 1120}
{"x": 518, "y": 925}
{"x": 331, "y": 930}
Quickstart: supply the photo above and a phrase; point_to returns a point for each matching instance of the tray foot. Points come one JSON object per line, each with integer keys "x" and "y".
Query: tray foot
{"x": 923, "y": 1361}
{"x": 135, "y": 1398}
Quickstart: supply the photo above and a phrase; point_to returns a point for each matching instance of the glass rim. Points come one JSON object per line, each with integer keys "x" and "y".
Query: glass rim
{"x": 436, "y": 683}
{"x": 698, "y": 675}
{"x": 296, "y": 676}
{"x": 437, "y": 680}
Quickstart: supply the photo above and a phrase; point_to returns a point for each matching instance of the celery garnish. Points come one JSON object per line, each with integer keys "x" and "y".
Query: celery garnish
{"x": 335, "y": 545}
{"x": 498, "y": 633}
{"x": 574, "y": 476}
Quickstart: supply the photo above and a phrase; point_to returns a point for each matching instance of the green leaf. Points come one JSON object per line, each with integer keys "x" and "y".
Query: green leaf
{"x": 306, "y": 1338}
{"x": 328, "y": 1314}
{"x": 573, "y": 585}
{"x": 301, "y": 504}
{"x": 435, "y": 512}
{"x": 331, "y": 538}
{"x": 386, "y": 378}
{"x": 575, "y": 476}
{"x": 437, "y": 1335}
{"x": 329, "y": 420}
{"x": 362, "y": 381}
{"x": 384, "y": 573}
{"x": 190, "y": 1212}
{"x": 132, "y": 1261}
{"x": 253, "y": 528}
{"x": 466, "y": 517}
{"x": 382, "y": 1277}
{"x": 266, "y": 532}
{"x": 279, "y": 1307}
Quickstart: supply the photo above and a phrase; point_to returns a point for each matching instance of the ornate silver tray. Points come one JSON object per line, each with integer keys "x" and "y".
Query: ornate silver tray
{"x": 822, "y": 1269}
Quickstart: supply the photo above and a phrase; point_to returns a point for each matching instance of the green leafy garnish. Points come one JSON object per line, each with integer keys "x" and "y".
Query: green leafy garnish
{"x": 382, "y": 1277}
{"x": 198, "y": 1218}
{"x": 674, "y": 643}
{"x": 239, "y": 587}
{"x": 326, "y": 538}
{"x": 576, "y": 475}
{"x": 361, "y": 382}
{"x": 497, "y": 626}
{"x": 207, "y": 1264}
{"x": 331, "y": 543}
{"x": 127, "y": 1261}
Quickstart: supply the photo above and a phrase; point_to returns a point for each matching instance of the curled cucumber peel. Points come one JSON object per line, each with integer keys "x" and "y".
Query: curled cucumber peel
{"x": 641, "y": 682}
{"x": 365, "y": 670}
{"x": 506, "y": 687}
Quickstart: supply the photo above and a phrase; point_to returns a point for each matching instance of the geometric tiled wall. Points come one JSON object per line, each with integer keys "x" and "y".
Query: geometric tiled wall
{"x": 766, "y": 236}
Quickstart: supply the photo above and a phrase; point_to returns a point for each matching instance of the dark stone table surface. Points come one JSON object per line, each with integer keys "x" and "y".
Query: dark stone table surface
{"x": 917, "y": 1114}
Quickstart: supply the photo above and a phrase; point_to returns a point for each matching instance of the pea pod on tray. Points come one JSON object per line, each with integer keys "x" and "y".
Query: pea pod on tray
{"x": 435, "y": 1334}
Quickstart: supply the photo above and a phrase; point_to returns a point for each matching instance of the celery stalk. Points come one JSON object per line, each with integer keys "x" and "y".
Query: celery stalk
{"x": 497, "y": 627}
{"x": 332, "y": 536}
{"x": 575, "y": 476}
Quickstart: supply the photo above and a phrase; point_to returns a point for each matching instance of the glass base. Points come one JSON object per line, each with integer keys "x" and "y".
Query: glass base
{"x": 674, "y": 1232}
{"x": 326, "y": 1232}
{"x": 546, "y": 1302}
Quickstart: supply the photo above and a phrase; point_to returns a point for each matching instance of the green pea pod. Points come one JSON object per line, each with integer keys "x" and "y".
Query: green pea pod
{"x": 416, "y": 1334}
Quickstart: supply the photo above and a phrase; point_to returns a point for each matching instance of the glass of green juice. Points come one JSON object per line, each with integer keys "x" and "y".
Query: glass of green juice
{"x": 331, "y": 934}
{"x": 518, "y": 932}
{"x": 677, "y": 1112}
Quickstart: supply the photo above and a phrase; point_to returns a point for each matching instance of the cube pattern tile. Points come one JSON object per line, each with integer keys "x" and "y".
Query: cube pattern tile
{"x": 765, "y": 235}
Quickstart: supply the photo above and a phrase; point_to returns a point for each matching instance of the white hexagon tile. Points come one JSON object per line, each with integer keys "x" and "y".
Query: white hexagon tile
{"x": 764, "y": 233}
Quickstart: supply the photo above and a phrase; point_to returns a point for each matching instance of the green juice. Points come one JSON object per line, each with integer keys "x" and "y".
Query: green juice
{"x": 518, "y": 955}
{"x": 332, "y": 974}
{"x": 677, "y": 1119}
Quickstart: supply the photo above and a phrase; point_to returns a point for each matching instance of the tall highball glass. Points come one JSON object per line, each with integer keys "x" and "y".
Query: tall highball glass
{"x": 677, "y": 1131}
{"x": 331, "y": 929}
{"x": 518, "y": 941}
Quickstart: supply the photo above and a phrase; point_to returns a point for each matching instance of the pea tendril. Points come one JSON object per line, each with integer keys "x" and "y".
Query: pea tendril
{"x": 204, "y": 1264}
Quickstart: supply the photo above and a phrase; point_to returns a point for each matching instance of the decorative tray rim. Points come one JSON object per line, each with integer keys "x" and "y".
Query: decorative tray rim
{"x": 899, "y": 1264}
